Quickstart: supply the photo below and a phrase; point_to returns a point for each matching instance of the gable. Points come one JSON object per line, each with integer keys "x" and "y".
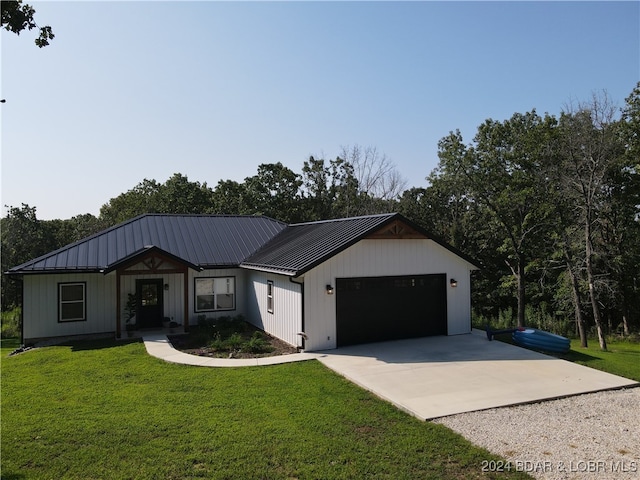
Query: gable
{"x": 396, "y": 230}
{"x": 301, "y": 247}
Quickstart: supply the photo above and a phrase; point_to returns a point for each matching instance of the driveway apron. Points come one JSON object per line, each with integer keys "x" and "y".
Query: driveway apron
{"x": 438, "y": 376}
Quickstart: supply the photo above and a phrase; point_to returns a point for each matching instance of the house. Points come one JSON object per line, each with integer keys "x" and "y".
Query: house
{"x": 317, "y": 285}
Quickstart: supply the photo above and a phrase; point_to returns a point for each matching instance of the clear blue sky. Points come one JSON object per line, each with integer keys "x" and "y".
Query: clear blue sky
{"x": 134, "y": 90}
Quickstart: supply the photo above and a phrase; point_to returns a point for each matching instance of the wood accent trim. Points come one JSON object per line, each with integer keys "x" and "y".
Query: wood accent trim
{"x": 118, "y": 305}
{"x": 396, "y": 230}
{"x": 153, "y": 268}
{"x": 185, "y": 281}
{"x": 149, "y": 261}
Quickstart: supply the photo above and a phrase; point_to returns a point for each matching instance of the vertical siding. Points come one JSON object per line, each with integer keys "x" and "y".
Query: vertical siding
{"x": 372, "y": 258}
{"x": 286, "y": 320}
{"x": 41, "y": 305}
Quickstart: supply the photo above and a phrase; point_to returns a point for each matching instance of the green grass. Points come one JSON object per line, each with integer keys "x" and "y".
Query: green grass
{"x": 108, "y": 410}
{"x": 621, "y": 358}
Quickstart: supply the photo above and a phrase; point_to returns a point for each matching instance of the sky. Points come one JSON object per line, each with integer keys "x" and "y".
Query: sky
{"x": 135, "y": 90}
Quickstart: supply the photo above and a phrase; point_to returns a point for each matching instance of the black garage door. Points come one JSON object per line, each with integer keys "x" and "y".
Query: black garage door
{"x": 390, "y": 308}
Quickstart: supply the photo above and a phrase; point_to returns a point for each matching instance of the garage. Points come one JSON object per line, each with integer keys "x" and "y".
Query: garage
{"x": 375, "y": 309}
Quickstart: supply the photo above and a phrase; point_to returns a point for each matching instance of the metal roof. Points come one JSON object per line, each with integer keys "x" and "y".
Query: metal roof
{"x": 300, "y": 247}
{"x": 219, "y": 241}
{"x": 206, "y": 241}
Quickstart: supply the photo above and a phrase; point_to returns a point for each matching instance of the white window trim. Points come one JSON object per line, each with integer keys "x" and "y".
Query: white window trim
{"x": 83, "y": 301}
{"x": 214, "y": 294}
{"x": 270, "y": 296}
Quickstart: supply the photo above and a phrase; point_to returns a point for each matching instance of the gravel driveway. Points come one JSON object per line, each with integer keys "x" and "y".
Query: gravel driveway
{"x": 591, "y": 436}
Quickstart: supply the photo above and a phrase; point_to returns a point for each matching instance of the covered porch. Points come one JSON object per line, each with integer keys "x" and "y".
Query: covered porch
{"x": 152, "y": 293}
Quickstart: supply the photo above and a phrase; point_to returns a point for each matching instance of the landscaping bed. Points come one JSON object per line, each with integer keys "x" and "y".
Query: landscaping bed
{"x": 229, "y": 337}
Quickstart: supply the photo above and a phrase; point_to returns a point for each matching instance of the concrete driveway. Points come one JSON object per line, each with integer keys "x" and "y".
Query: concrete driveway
{"x": 439, "y": 376}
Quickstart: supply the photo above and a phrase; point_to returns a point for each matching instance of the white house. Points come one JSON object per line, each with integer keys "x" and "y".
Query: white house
{"x": 317, "y": 285}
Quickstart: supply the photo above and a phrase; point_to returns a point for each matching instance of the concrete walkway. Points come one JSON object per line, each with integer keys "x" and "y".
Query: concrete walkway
{"x": 158, "y": 345}
{"x": 436, "y": 376}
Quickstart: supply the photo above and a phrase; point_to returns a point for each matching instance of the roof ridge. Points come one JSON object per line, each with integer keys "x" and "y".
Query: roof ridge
{"x": 359, "y": 217}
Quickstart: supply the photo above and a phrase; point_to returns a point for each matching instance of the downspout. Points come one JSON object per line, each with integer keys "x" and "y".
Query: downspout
{"x": 21, "y": 280}
{"x": 302, "y": 333}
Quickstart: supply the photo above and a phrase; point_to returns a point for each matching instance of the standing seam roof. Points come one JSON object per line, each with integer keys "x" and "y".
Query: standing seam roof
{"x": 203, "y": 240}
{"x": 300, "y": 247}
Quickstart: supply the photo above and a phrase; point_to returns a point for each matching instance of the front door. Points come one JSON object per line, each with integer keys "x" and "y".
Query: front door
{"x": 150, "y": 306}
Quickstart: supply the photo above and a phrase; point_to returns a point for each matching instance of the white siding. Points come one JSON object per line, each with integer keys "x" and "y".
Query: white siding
{"x": 240, "y": 293}
{"x": 373, "y": 258}
{"x": 286, "y": 320}
{"x": 40, "y": 305}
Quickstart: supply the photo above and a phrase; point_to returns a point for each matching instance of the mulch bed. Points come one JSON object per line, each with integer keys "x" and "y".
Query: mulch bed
{"x": 197, "y": 342}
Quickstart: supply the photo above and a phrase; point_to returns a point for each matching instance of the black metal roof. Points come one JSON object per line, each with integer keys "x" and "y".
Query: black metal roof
{"x": 219, "y": 241}
{"x": 300, "y": 247}
{"x": 205, "y": 241}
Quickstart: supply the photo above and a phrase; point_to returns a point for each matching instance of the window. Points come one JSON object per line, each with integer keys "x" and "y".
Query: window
{"x": 269, "y": 296}
{"x": 72, "y": 306}
{"x": 215, "y": 293}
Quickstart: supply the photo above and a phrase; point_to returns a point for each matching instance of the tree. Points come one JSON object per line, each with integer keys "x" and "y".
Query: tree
{"x": 275, "y": 192}
{"x": 180, "y": 196}
{"x": 620, "y": 217}
{"x": 330, "y": 191}
{"x": 229, "y": 198}
{"x": 379, "y": 181}
{"x": 589, "y": 149}
{"x": 501, "y": 175}
{"x": 17, "y": 16}
{"x": 143, "y": 198}
{"x": 176, "y": 196}
{"x": 22, "y": 239}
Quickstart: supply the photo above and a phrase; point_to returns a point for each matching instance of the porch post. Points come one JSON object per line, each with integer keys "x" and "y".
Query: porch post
{"x": 185, "y": 276}
{"x": 118, "y": 309}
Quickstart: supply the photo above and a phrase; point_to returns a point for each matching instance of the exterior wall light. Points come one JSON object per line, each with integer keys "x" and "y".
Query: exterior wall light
{"x": 166, "y": 286}
{"x": 329, "y": 290}
{"x": 453, "y": 282}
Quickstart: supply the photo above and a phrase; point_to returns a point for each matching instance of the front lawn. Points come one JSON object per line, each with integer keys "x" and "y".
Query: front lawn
{"x": 621, "y": 358}
{"x": 108, "y": 410}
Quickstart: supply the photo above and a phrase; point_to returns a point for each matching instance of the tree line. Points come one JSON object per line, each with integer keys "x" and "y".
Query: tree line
{"x": 549, "y": 206}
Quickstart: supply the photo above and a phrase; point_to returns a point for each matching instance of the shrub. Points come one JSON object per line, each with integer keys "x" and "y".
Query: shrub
{"x": 217, "y": 344}
{"x": 235, "y": 341}
{"x": 11, "y": 323}
{"x": 257, "y": 344}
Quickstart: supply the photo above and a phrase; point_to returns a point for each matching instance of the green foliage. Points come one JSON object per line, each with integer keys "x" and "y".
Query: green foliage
{"x": 230, "y": 335}
{"x": 234, "y": 341}
{"x": 17, "y": 17}
{"x": 536, "y": 316}
{"x": 275, "y": 192}
{"x": 177, "y": 195}
{"x": 109, "y": 410}
{"x": 11, "y": 323}
{"x": 217, "y": 343}
{"x": 256, "y": 344}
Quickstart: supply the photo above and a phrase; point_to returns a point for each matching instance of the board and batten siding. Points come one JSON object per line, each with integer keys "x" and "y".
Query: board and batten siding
{"x": 286, "y": 320}
{"x": 40, "y": 305}
{"x": 240, "y": 293}
{"x": 379, "y": 258}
